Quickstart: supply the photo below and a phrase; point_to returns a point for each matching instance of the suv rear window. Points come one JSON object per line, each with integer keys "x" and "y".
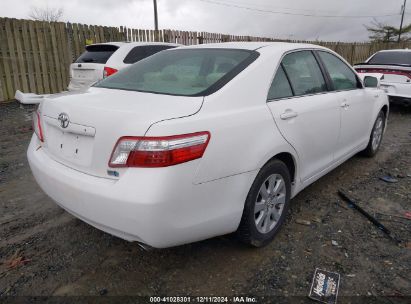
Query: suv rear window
{"x": 400, "y": 58}
{"x": 97, "y": 53}
{"x": 140, "y": 52}
{"x": 192, "y": 72}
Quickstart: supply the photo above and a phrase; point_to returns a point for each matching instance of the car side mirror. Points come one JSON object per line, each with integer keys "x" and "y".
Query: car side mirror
{"x": 371, "y": 82}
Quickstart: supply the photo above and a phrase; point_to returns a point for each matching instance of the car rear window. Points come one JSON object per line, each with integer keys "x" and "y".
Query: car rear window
{"x": 184, "y": 72}
{"x": 401, "y": 58}
{"x": 97, "y": 53}
{"x": 140, "y": 52}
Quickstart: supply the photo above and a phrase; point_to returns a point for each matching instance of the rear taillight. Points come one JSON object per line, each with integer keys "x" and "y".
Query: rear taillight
{"x": 154, "y": 152}
{"x": 37, "y": 125}
{"x": 109, "y": 71}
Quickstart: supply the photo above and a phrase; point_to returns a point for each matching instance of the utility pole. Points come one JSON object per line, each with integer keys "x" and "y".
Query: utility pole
{"x": 402, "y": 20}
{"x": 156, "y": 16}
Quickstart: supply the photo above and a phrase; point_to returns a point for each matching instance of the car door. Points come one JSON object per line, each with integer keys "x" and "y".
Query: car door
{"x": 355, "y": 104}
{"x": 306, "y": 115}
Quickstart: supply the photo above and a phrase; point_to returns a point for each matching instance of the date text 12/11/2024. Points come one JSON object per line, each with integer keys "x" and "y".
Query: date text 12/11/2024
{"x": 212, "y": 299}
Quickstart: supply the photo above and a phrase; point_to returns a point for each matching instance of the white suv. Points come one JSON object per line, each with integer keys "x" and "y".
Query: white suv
{"x": 104, "y": 59}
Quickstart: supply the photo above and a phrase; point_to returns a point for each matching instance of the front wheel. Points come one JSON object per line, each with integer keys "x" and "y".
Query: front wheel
{"x": 266, "y": 205}
{"x": 376, "y": 136}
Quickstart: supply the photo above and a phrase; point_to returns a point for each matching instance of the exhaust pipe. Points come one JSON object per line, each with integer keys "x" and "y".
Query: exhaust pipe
{"x": 145, "y": 247}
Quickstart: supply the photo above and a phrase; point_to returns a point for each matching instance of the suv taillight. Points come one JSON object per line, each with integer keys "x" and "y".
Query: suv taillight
{"x": 37, "y": 125}
{"x": 109, "y": 71}
{"x": 155, "y": 152}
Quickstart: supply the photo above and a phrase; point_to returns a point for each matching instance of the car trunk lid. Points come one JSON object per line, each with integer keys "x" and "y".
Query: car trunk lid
{"x": 85, "y": 74}
{"x": 392, "y": 73}
{"x": 81, "y": 129}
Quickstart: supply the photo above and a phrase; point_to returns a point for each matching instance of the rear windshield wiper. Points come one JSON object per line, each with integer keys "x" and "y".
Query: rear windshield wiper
{"x": 88, "y": 60}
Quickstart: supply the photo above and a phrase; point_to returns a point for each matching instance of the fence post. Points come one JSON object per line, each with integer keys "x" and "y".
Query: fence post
{"x": 370, "y": 48}
{"x": 166, "y": 36}
{"x": 353, "y": 47}
{"x": 2, "y": 97}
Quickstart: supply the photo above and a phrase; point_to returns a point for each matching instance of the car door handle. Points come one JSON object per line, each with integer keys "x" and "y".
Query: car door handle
{"x": 345, "y": 105}
{"x": 288, "y": 115}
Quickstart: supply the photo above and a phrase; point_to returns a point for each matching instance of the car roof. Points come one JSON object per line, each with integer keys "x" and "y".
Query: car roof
{"x": 274, "y": 46}
{"x": 109, "y": 43}
{"x": 132, "y": 44}
{"x": 395, "y": 50}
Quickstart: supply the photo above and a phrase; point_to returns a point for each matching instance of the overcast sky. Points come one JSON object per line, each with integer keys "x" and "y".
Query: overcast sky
{"x": 206, "y": 15}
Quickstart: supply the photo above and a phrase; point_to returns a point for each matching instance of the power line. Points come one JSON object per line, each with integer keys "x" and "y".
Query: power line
{"x": 292, "y": 14}
{"x": 275, "y": 7}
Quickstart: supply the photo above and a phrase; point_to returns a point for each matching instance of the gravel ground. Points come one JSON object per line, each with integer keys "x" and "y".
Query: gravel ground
{"x": 56, "y": 254}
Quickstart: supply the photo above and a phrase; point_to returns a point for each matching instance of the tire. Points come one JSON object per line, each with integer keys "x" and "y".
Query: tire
{"x": 376, "y": 136}
{"x": 253, "y": 230}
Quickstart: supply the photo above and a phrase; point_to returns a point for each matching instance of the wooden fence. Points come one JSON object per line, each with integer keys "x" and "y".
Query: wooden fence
{"x": 35, "y": 55}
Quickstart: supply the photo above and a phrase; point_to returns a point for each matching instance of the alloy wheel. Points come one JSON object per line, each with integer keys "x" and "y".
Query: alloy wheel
{"x": 269, "y": 204}
{"x": 377, "y": 133}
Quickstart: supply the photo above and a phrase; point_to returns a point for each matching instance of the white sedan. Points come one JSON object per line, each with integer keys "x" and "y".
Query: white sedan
{"x": 202, "y": 141}
{"x": 395, "y": 67}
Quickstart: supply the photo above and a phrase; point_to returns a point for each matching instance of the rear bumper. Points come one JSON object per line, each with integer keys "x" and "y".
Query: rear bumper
{"x": 157, "y": 207}
{"x": 78, "y": 85}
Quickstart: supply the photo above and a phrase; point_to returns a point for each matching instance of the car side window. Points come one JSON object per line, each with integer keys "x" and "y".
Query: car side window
{"x": 280, "y": 88}
{"x": 140, "y": 52}
{"x": 304, "y": 73}
{"x": 342, "y": 77}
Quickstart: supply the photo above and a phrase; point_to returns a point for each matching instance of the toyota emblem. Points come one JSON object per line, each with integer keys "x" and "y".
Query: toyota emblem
{"x": 64, "y": 120}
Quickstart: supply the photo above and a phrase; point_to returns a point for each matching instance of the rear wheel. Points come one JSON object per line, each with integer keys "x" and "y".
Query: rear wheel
{"x": 266, "y": 205}
{"x": 376, "y": 136}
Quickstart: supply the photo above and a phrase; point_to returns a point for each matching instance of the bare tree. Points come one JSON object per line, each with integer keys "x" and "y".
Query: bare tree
{"x": 380, "y": 32}
{"x": 46, "y": 14}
